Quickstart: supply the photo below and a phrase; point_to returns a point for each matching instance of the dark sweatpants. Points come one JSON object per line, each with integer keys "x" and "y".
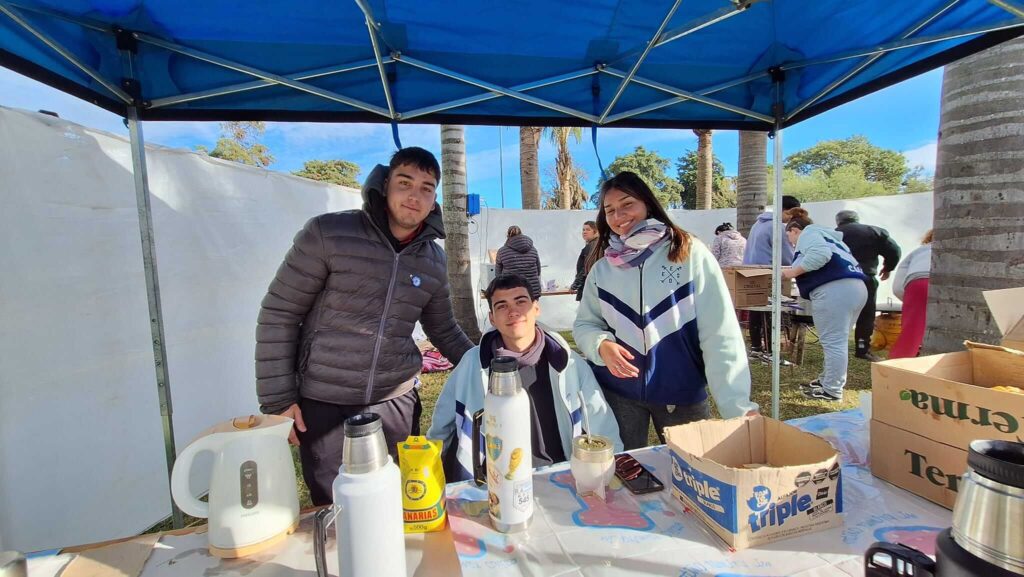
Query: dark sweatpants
{"x": 866, "y": 319}
{"x": 321, "y": 444}
{"x": 759, "y": 324}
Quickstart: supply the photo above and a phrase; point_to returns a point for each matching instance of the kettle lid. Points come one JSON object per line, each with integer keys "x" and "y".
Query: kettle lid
{"x": 504, "y": 365}
{"x": 1000, "y": 461}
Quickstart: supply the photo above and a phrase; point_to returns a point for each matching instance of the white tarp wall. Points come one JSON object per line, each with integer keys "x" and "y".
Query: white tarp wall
{"x": 556, "y": 234}
{"x": 82, "y": 456}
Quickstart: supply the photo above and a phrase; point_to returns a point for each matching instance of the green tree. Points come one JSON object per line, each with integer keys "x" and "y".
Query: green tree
{"x": 844, "y": 182}
{"x": 239, "y": 142}
{"x": 880, "y": 165}
{"x": 916, "y": 181}
{"x": 651, "y": 167}
{"x": 340, "y": 172}
{"x": 686, "y": 173}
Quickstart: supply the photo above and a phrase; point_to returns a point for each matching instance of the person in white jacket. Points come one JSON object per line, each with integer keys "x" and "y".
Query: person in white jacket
{"x": 827, "y": 273}
{"x": 656, "y": 321}
{"x": 910, "y": 285}
{"x": 552, "y": 374}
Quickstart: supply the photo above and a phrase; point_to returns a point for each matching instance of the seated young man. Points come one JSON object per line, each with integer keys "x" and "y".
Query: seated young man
{"x": 552, "y": 376}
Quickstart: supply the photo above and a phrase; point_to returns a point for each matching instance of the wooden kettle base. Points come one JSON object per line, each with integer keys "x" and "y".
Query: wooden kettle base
{"x": 254, "y": 548}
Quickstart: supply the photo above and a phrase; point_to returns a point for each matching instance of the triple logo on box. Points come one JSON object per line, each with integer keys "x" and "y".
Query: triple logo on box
{"x": 715, "y": 498}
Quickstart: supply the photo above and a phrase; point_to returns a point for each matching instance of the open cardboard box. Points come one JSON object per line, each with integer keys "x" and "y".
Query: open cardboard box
{"x": 927, "y": 410}
{"x": 755, "y": 480}
{"x": 751, "y": 285}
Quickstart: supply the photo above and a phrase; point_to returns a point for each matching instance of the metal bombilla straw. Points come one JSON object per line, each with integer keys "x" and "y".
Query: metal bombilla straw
{"x": 586, "y": 416}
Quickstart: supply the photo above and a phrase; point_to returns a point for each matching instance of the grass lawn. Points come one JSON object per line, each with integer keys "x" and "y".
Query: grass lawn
{"x": 792, "y": 403}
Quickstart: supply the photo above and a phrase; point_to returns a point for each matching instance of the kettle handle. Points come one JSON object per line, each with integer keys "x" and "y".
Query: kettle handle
{"x": 180, "y": 490}
{"x": 321, "y": 521}
{"x": 903, "y": 560}
{"x": 479, "y": 465}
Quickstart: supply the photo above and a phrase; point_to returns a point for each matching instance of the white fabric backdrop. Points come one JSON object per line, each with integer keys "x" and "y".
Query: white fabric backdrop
{"x": 82, "y": 456}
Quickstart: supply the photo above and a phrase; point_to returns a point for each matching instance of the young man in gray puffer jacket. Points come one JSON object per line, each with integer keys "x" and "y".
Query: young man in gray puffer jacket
{"x": 334, "y": 334}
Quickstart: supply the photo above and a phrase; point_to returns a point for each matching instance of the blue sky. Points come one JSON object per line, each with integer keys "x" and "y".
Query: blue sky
{"x": 904, "y": 117}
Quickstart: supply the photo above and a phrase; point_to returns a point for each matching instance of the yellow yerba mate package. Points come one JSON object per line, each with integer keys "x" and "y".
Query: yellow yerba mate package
{"x": 422, "y": 484}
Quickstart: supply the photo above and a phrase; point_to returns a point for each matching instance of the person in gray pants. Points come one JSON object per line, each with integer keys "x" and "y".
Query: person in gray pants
{"x": 826, "y": 273}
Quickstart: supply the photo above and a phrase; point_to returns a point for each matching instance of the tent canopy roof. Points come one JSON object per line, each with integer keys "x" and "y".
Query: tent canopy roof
{"x": 689, "y": 63}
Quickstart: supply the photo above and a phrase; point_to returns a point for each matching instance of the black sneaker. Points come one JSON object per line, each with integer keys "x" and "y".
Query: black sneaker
{"x": 815, "y": 384}
{"x": 755, "y": 354}
{"x": 870, "y": 357}
{"x": 820, "y": 394}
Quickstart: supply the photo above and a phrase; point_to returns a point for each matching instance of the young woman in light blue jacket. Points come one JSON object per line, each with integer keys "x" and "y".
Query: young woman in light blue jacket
{"x": 828, "y": 275}
{"x": 656, "y": 321}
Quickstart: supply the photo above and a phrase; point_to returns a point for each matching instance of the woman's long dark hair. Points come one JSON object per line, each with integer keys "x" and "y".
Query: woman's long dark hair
{"x": 632, "y": 185}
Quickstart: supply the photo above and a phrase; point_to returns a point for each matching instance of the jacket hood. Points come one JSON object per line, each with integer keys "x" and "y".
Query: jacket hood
{"x": 520, "y": 243}
{"x": 374, "y": 203}
{"x": 556, "y": 349}
{"x": 765, "y": 216}
{"x": 732, "y": 234}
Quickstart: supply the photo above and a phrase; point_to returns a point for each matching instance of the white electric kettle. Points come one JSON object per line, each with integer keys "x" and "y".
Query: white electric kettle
{"x": 253, "y": 500}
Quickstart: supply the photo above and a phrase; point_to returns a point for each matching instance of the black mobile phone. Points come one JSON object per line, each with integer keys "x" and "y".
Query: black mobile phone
{"x": 635, "y": 476}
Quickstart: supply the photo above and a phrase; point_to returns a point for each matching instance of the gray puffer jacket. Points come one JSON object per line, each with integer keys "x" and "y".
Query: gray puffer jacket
{"x": 519, "y": 256}
{"x": 336, "y": 324}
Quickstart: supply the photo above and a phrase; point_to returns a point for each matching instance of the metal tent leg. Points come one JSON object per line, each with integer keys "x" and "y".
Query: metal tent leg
{"x": 156, "y": 318}
{"x": 777, "y": 273}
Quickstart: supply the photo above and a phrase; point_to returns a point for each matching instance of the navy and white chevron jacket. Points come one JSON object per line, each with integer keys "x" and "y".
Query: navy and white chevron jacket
{"x": 822, "y": 253}
{"x": 677, "y": 320}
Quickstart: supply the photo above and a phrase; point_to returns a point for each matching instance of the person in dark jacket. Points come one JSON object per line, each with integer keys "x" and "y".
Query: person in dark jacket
{"x": 868, "y": 243}
{"x": 590, "y": 238}
{"x": 518, "y": 256}
{"x": 334, "y": 334}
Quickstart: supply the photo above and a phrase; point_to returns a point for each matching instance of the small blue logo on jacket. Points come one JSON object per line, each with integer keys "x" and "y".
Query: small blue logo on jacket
{"x": 415, "y": 280}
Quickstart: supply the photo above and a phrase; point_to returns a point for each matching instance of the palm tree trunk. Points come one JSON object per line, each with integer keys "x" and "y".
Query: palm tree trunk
{"x": 979, "y": 195}
{"x": 456, "y": 244}
{"x": 563, "y": 168}
{"x": 705, "y": 166}
{"x": 752, "y": 181}
{"x": 529, "y": 171}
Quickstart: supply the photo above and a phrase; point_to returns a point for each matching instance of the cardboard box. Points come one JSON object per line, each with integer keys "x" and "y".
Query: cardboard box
{"x": 920, "y": 465}
{"x": 1007, "y": 308}
{"x": 755, "y": 480}
{"x": 927, "y": 410}
{"x": 948, "y": 398}
{"x": 751, "y": 285}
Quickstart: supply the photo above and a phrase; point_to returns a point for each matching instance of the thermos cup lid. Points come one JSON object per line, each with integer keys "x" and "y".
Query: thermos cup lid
{"x": 1000, "y": 461}
{"x": 363, "y": 425}
{"x": 504, "y": 365}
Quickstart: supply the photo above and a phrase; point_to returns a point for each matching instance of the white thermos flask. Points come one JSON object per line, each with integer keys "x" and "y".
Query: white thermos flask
{"x": 367, "y": 508}
{"x": 505, "y": 424}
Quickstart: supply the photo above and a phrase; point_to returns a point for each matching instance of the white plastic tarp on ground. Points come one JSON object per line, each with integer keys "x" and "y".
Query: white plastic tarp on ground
{"x": 82, "y": 457}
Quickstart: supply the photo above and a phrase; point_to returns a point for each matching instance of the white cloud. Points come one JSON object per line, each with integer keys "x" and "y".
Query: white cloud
{"x": 923, "y": 156}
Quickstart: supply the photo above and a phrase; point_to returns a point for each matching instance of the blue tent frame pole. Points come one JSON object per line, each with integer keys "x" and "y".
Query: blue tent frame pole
{"x": 127, "y": 46}
{"x": 777, "y": 252}
{"x": 156, "y": 316}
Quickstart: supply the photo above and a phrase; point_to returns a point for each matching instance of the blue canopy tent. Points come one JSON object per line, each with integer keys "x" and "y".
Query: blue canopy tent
{"x": 719, "y": 64}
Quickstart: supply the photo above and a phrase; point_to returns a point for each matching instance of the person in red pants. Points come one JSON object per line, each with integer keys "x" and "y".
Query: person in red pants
{"x": 910, "y": 284}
